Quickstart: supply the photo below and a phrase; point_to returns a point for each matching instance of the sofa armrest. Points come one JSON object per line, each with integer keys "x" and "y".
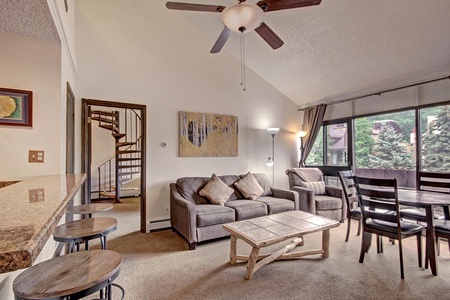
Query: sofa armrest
{"x": 183, "y": 215}
{"x": 306, "y": 201}
{"x": 286, "y": 194}
{"x": 333, "y": 191}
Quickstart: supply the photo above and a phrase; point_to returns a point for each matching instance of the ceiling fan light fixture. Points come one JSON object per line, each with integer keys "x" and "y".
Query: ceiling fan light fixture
{"x": 243, "y": 15}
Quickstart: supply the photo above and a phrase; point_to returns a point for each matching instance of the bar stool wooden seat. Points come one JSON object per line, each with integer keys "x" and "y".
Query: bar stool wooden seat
{"x": 85, "y": 230}
{"x": 89, "y": 209}
{"x": 58, "y": 278}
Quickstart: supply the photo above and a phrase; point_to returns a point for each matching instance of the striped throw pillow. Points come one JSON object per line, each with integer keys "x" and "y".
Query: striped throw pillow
{"x": 318, "y": 187}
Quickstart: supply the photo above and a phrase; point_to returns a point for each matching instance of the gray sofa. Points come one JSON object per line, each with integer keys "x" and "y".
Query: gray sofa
{"x": 198, "y": 220}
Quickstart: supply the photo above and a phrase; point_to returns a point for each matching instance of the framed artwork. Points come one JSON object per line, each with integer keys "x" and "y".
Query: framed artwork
{"x": 207, "y": 134}
{"x": 16, "y": 107}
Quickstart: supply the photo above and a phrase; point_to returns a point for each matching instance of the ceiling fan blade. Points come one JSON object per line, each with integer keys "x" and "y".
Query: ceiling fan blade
{"x": 269, "y": 36}
{"x": 194, "y": 7}
{"x": 221, "y": 40}
{"x": 271, "y": 5}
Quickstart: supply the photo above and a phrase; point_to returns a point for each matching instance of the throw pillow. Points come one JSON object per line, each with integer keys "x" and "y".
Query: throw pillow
{"x": 216, "y": 191}
{"x": 249, "y": 187}
{"x": 318, "y": 187}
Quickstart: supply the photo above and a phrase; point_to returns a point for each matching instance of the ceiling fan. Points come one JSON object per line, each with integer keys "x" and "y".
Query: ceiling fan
{"x": 245, "y": 17}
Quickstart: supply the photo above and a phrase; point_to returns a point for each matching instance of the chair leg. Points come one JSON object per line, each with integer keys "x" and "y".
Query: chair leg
{"x": 365, "y": 245}
{"x": 359, "y": 229}
{"x": 419, "y": 249}
{"x": 379, "y": 244}
{"x": 349, "y": 220}
{"x": 438, "y": 251}
{"x": 400, "y": 251}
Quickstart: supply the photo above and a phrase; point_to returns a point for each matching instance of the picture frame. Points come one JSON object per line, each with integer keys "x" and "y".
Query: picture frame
{"x": 207, "y": 135}
{"x": 16, "y": 107}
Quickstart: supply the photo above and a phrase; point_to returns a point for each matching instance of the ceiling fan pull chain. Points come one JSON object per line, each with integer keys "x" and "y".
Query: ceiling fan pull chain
{"x": 242, "y": 61}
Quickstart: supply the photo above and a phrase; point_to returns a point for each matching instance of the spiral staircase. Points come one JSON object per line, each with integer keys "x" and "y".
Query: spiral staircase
{"x": 125, "y": 165}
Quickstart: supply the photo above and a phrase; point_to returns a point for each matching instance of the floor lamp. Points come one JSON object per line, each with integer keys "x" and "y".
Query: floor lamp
{"x": 270, "y": 162}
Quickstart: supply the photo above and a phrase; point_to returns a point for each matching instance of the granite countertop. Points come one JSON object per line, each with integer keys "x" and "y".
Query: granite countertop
{"x": 29, "y": 211}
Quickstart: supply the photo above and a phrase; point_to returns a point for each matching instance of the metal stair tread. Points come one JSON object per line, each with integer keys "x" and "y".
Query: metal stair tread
{"x": 121, "y": 144}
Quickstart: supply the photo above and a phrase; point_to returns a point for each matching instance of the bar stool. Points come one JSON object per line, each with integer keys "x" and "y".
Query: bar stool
{"x": 84, "y": 230}
{"x": 89, "y": 209}
{"x": 58, "y": 278}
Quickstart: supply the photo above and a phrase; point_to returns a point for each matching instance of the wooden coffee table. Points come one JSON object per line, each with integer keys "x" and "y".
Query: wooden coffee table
{"x": 268, "y": 230}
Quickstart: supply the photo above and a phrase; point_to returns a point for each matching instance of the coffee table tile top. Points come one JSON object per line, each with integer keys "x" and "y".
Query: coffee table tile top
{"x": 270, "y": 228}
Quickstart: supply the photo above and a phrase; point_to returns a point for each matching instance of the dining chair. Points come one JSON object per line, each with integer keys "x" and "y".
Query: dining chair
{"x": 351, "y": 198}
{"x": 376, "y": 196}
{"x": 428, "y": 181}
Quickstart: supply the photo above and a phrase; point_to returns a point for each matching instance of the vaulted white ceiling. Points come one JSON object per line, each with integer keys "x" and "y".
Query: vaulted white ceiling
{"x": 338, "y": 49}
{"x": 342, "y": 48}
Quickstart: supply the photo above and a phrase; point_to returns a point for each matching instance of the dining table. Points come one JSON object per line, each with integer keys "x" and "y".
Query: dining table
{"x": 428, "y": 200}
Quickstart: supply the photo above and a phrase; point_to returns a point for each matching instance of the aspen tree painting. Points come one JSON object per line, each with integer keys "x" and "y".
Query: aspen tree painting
{"x": 207, "y": 134}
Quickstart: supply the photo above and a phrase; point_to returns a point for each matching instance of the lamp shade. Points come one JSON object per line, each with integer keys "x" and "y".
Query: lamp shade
{"x": 244, "y": 15}
{"x": 273, "y": 130}
{"x": 302, "y": 134}
{"x": 269, "y": 162}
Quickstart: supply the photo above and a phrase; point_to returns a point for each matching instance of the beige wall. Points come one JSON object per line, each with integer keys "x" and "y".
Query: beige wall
{"x": 123, "y": 61}
{"x": 34, "y": 65}
{"x": 137, "y": 53}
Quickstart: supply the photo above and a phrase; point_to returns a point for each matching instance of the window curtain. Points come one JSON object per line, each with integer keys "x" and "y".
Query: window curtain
{"x": 312, "y": 121}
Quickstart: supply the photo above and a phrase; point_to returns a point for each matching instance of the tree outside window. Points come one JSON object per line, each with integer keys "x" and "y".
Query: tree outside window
{"x": 436, "y": 142}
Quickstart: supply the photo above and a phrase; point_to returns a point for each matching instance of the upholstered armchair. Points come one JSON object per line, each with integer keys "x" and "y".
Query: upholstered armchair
{"x": 314, "y": 195}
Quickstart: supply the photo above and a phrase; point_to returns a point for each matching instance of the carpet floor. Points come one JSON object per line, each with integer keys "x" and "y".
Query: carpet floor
{"x": 158, "y": 265}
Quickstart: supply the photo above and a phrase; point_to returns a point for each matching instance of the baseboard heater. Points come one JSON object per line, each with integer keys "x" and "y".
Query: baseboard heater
{"x": 159, "y": 224}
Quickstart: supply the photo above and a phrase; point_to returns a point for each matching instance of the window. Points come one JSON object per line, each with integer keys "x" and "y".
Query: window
{"x": 315, "y": 157}
{"x": 337, "y": 141}
{"x": 435, "y": 138}
{"x": 387, "y": 145}
{"x": 385, "y": 141}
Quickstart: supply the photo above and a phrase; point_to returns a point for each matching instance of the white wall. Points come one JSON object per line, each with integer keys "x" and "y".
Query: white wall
{"x": 138, "y": 53}
{"x": 34, "y": 65}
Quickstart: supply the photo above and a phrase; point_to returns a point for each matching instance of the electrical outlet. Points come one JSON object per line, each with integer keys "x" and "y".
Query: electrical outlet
{"x": 36, "y": 156}
{"x": 167, "y": 209}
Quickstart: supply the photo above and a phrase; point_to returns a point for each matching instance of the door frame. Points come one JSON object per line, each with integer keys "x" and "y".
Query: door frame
{"x": 86, "y": 150}
{"x": 70, "y": 130}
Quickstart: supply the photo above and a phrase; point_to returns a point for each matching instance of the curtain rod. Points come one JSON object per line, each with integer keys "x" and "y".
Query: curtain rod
{"x": 386, "y": 91}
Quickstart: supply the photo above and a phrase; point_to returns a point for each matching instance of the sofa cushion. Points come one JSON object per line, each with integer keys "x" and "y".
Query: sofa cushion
{"x": 230, "y": 180}
{"x": 216, "y": 191}
{"x": 247, "y": 209}
{"x": 264, "y": 182}
{"x": 189, "y": 188}
{"x": 318, "y": 187}
{"x": 326, "y": 202}
{"x": 277, "y": 205}
{"x": 249, "y": 187}
{"x": 209, "y": 214}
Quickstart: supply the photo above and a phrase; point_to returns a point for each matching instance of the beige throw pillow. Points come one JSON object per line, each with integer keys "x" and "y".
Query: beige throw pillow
{"x": 249, "y": 187}
{"x": 216, "y": 191}
{"x": 318, "y": 187}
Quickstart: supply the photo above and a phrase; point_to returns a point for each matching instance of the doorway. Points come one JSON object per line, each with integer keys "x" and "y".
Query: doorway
{"x": 126, "y": 124}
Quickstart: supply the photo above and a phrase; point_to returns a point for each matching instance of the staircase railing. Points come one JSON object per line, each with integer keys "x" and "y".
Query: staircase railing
{"x": 126, "y": 163}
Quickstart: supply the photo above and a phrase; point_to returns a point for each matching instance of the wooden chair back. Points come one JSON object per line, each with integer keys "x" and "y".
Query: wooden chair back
{"x": 434, "y": 181}
{"x": 376, "y": 196}
{"x": 349, "y": 188}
